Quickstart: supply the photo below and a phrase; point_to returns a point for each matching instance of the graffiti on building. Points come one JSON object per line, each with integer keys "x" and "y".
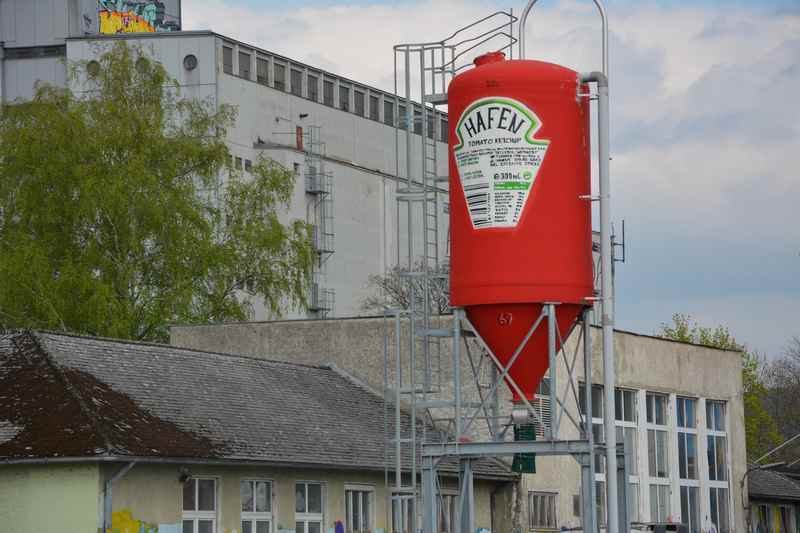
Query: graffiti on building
{"x": 132, "y": 16}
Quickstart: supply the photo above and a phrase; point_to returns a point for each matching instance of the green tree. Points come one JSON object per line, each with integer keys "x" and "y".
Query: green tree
{"x": 761, "y": 431}
{"x": 114, "y": 219}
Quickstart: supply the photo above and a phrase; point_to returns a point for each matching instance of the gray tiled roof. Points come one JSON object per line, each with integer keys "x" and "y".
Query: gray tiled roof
{"x": 764, "y": 484}
{"x": 69, "y": 396}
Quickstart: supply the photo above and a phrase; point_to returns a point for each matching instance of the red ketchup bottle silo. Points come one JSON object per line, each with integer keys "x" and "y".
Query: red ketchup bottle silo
{"x": 520, "y": 233}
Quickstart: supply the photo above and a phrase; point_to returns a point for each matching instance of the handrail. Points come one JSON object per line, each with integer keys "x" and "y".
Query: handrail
{"x": 524, "y": 20}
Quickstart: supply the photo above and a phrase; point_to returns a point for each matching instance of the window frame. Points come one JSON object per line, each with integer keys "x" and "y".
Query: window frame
{"x": 369, "y": 491}
{"x": 345, "y": 93}
{"x": 374, "y": 107}
{"x": 261, "y": 60}
{"x": 551, "y": 503}
{"x": 227, "y": 68}
{"x": 328, "y": 83}
{"x": 296, "y": 82}
{"x": 257, "y": 516}
{"x": 312, "y": 85}
{"x": 389, "y": 106}
{"x": 279, "y": 81}
{"x": 309, "y": 517}
{"x": 359, "y": 96}
{"x": 195, "y": 515}
{"x": 248, "y": 74}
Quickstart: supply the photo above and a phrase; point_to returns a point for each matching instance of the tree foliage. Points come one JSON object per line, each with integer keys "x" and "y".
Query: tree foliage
{"x": 114, "y": 219}
{"x": 783, "y": 396}
{"x": 761, "y": 431}
{"x": 393, "y": 290}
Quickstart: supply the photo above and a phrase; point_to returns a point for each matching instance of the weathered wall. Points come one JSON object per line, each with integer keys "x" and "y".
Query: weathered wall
{"x": 49, "y": 498}
{"x": 643, "y": 363}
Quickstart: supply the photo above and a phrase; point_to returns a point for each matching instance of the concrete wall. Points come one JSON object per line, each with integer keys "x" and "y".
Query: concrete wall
{"x": 643, "y": 364}
{"x": 49, "y": 498}
{"x": 152, "y": 495}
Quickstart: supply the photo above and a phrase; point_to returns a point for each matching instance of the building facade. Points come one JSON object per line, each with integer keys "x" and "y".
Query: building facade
{"x": 679, "y": 410}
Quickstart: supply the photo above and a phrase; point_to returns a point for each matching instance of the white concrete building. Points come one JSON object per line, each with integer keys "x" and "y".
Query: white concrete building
{"x": 338, "y": 135}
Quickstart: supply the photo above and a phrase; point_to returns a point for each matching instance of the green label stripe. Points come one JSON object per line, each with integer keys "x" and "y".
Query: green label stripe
{"x": 535, "y": 123}
{"x": 512, "y": 186}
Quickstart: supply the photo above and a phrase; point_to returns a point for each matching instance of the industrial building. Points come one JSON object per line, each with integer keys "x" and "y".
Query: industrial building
{"x": 337, "y": 134}
{"x": 107, "y": 435}
{"x": 679, "y": 408}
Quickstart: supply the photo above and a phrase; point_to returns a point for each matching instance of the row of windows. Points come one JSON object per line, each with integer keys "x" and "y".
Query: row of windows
{"x": 358, "y": 100}
{"x": 200, "y": 506}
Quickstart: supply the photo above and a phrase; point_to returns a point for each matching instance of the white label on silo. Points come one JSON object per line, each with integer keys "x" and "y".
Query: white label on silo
{"x": 497, "y": 159}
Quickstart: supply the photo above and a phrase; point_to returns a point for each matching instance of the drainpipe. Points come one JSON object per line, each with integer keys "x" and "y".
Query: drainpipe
{"x": 108, "y": 498}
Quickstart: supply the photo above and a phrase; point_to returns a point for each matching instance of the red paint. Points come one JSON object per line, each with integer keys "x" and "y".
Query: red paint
{"x": 502, "y": 276}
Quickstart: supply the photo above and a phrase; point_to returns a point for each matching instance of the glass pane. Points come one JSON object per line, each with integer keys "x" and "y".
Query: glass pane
{"x": 188, "y": 495}
{"x": 246, "y": 496}
{"x": 629, "y": 403}
{"x": 314, "y": 498}
{"x": 205, "y": 526}
{"x": 719, "y": 416}
{"x": 313, "y": 86}
{"x": 205, "y": 495}
{"x": 681, "y": 412}
{"x": 188, "y": 526}
{"x": 344, "y": 98}
{"x": 262, "y": 526}
{"x": 314, "y": 527}
{"x": 722, "y": 473}
{"x": 300, "y": 497}
{"x": 691, "y": 417}
{"x": 661, "y": 446}
{"x": 356, "y": 502}
{"x": 685, "y": 505}
{"x": 712, "y": 469}
{"x": 366, "y": 512}
{"x": 661, "y": 410}
{"x": 682, "y": 455}
{"x": 691, "y": 456}
{"x": 297, "y": 83}
{"x": 300, "y": 527}
{"x": 694, "y": 509}
{"x": 634, "y": 502}
{"x": 359, "y": 103}
{"x": 247, "y": 526}
{"x": 348, "y": 503}
{"x": 714, "y": 506}
{"x": 654, "y": 503}
{"x": 263, "y": 497}
{"x": 633, "y": 451}
{"x": 597, "y": 401}
{"x": 651, "y": 452}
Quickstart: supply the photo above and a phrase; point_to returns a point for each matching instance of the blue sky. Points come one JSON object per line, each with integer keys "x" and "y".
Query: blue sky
{"x": 705, "y": 132}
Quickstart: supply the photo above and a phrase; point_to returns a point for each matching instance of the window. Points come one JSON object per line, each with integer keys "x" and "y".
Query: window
{"x": 256, "y": 502}
{"x": 444, "y": 128}
{"x": 656, "y": 409}
{"x": 262, "y": 70}
{"x": 627, "y": 435}
{"x": 388, "y": 112}
{"x": 659, "y": 503}
{"x": 719, "y": 509}
{"x": 717, "y": 467}
{"x": 280, "y": 76}
{"x": 297, "y": 83}
{"x": 657, "y": 453}
{"x": 715, "y": 415}
{"x": 597, "y": 400}
{"x": 308, "y": 507}
{"x": 687, "y": 408}
{"x": 244, "y": 65}
{"x": 633, "y": 502}
{"x": 429, "y": 122}
{"x": 248, "y": 165}
{"x": 374, "y": 107}
{"x": 625, "y": 405}
{"x": 359, "y": 505}
{"x": 359, "y": 104}
{"x": 447, "y": 513}
{"x": 227, "y": 60}
{"x": 199, "y": 506}
{"x": 327, "y": 92}
{"x": 402, "y": 118}
{"x": 344, "y": 98}
{"x": 405, "y": 515}
{"x": 417, "y": 120}
{"x": 600, "y": 502}
{"x": 690, "y": 508}
{"x": 687, "y": 455}
{"x": 542, "y": 510}
{"x": 313, "y": 87}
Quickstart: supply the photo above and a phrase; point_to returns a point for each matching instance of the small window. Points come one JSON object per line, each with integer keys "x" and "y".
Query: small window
{"x": 308, "y": 507}
{"x": 359, "y": 104}
{"x": 597, "y": 400}
{"x": 717, "y": 463}
{"x": 625, "y": 405}
{"x": 227, "y": 60}
{"x": 402, "y": 120}
{"x": 244, "y": 65}
{"x": 687, "y": 408}
{"x": 445, "y": 127}
{"x": 344, "y": 98}
{"x": 388, "y": 112}
{"x": 417, "y": 120}
{"x": 313, "y": 87}
{"x": 405, "y": 513}
{"x": 430, "y": 124}
{"x": 542, "y": 510}
{"x": 656, "y": 409}
{"x": 327, "y": 93}
{"x": 359, "y": 506}
{"x": 718, "y": 500}
{"x": 374, "y": 107}
{"x": 280, "y": 76}
{"x": 658, "y": 460}
{"x": 297, "y": 83}
{"x": 256, "y": 506}
{"x": 687, "y": 455}
{"x": 262, "y": 70}
{"x": 715, "y": 415}
{"x": 690, "y": 507}
{"x": 199, "y": 506}
{"x": 248, "y": 165}
{"x": 659, "y": 503}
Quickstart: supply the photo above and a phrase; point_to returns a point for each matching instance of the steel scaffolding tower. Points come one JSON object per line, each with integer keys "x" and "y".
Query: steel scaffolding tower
{"x": 443, "y": 413}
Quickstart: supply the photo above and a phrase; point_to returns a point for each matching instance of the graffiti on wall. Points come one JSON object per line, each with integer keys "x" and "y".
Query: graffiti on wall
{"x": 135, "y": 16}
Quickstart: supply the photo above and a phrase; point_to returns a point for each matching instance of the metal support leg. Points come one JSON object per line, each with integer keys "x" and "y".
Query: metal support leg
{"x": 466, "y": 496}
{"x": 591, "y": 490}
{"x": 457, "y": 314}
{"x": 588, "y": 512}
{"x": 429, "y": 496}
{"x": 552, "y": 355}
{"x": 624, "y": 497}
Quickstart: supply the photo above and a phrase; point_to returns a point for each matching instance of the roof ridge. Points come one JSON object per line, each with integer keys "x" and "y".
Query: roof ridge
{"x": 177, "y": 348}
{"x": 71, "y": 389}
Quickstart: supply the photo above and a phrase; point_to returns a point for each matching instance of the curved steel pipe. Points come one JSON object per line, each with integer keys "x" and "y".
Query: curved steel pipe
{"x": 523, "y": 20}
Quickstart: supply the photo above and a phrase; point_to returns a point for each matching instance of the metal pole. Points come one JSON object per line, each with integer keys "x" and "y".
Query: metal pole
{"x": 552, "y": 355}
{"x": 429, "y": 496}
{"x": 591, "y": 525}
{"x": 466, "y": 497}
{"x": 457, "y": 312}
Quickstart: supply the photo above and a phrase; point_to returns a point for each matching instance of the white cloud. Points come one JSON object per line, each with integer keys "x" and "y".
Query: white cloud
{"x": 705, "y": 120}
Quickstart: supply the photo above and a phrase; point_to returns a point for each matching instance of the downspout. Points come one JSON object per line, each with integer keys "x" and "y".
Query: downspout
{"x": 108, "y": 498}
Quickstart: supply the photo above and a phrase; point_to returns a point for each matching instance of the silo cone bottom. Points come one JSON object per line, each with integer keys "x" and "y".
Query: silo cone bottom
{"x": 504, "y": 326}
